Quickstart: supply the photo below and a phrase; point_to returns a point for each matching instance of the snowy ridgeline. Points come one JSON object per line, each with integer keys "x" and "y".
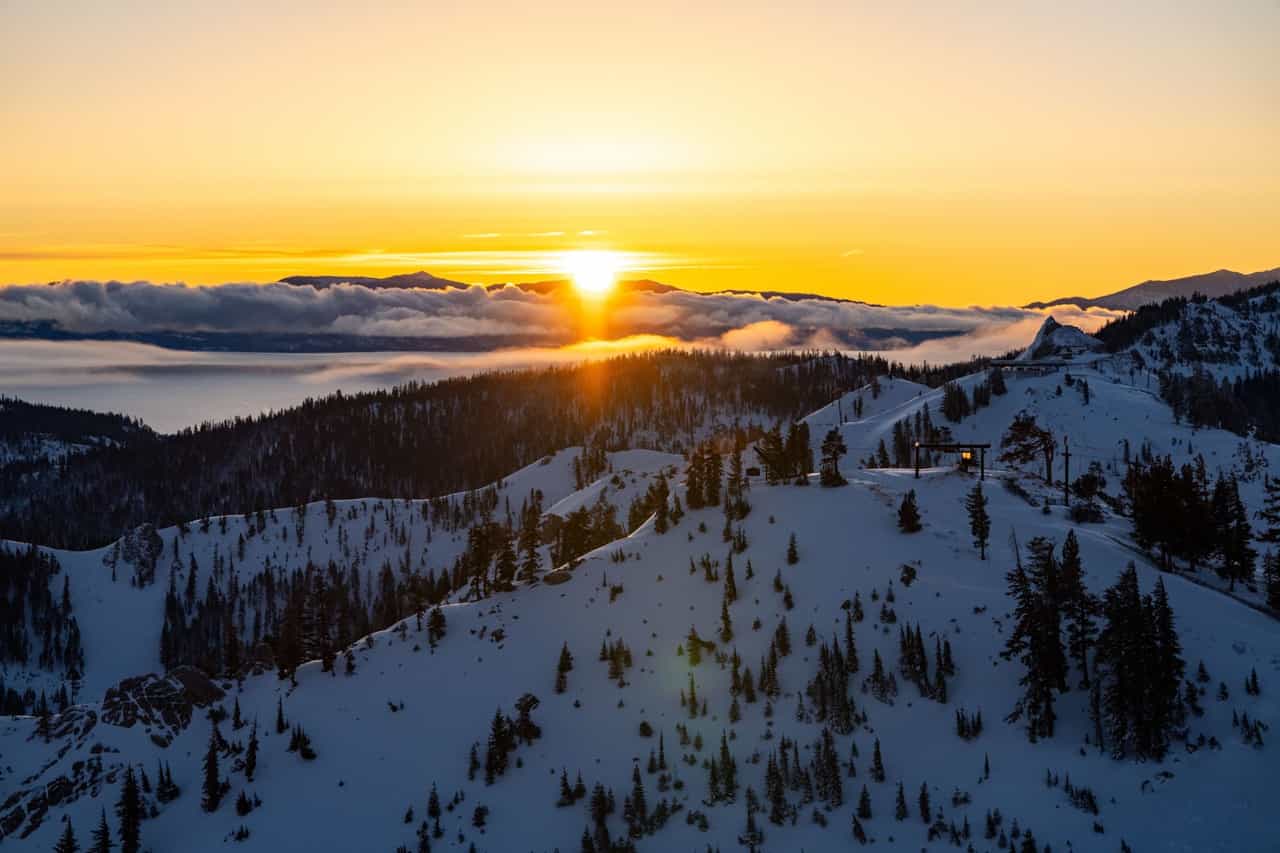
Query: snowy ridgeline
{"x": 704, "y": 675}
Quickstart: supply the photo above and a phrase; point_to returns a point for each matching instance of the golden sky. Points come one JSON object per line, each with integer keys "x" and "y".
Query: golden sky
{"x": 955, "y": 153}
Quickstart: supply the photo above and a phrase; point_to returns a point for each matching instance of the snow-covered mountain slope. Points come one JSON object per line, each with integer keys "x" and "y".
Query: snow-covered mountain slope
{"x": 225, "y": 550}
{"x": 408, "y": 715}
{"x": 1226, "y": 340}
{"x": 1119, "y": 411}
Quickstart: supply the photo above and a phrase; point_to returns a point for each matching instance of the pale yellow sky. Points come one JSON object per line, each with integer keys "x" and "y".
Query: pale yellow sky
{"x": 954, "y": 153}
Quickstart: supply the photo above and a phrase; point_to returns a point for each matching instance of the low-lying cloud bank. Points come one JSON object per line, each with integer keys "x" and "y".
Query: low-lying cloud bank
{"x": 475, "y": 318}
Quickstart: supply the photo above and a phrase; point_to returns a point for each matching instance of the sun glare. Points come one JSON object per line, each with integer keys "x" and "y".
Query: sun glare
{"x": 593, "y": 271}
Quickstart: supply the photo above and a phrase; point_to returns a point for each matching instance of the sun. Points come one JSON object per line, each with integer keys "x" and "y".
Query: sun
{"x": 593, "y": 271}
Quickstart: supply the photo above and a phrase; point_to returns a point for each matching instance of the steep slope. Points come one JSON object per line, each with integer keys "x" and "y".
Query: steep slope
{"x": 374, "y": 763}
{"x": 238, "y": 552}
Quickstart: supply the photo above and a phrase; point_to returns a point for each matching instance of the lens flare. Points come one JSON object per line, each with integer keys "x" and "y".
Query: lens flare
{"x": 593, "y": 271}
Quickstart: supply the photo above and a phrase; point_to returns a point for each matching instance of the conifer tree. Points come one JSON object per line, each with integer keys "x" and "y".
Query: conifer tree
{"x": 859, "y": 834}
{"x": 102, "y": 836}
{"x": 211, "y": 792}
{"x": 282, "y": 725}
{"x": 864, "y": 804}
{"x": 833, "y": 447}
{"x": 1036, "y": 638}
{"x": 67, "y": 841}
{"x": 909, "y": 514}
{"x": 638, "y": 822}
{"x": 979, "y": 520}
{"x": 900, "y": 806}
{"x": 251, "y": 754}
{"x": 793, "y": 552}
{"x": 437, "y": 625}
{"x": 1079, "y": 607}
{"x": 530, "y": 539}
{"x": 925, "y": 814}
{"x": 563, "y": 667}
{"x": 129, "y": 811}
{"x": 877, "y": 764}
{"x": 1141, "y": 668}
{"x": 433, "y": 809}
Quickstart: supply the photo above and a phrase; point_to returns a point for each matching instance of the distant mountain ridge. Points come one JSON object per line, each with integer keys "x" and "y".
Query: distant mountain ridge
{"x": 1211, "y": 284}
{"x": 427, "y": 281}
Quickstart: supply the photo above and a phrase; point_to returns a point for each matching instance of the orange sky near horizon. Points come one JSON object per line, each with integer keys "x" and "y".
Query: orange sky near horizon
{"x": 994, "y": 154}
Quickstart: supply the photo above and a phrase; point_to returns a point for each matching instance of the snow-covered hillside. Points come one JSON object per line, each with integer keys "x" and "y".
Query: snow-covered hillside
{"x": 231, "y": 550}
{"x": 406, "y": 718}
{"x": 407, "y": 715}
{"x": 1225, "y": 340}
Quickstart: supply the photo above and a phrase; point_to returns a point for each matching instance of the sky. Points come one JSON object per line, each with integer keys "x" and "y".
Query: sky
{"x": 948, "y": 153}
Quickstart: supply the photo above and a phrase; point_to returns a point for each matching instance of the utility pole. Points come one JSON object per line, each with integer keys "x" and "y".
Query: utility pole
{"x": 1066, "y": 471}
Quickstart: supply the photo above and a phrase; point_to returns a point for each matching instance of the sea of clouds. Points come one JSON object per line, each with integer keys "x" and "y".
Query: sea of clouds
{"x": 740, "y": 321}
{"x": 171, "y": 389}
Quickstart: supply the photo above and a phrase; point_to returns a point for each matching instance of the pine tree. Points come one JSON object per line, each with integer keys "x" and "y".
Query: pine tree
{"x": 67, "y": 841}
{"x": 102, "y": 836}
{"x": 833, "y": 447}
{"x": 979, "y": 520}
{"x": 437, "y": 625}
{"x": 900, "y": 807}
{"x": 1140, "y": 664}
{"x": 864, "y": 804}
{"x": 211, "y": 792}
{"x": 877, "y": 764}
{"x": 1079, "y": 607}
{"x": 1036, "y": 638}
{"x": 909, "y": 514}
{"x": 925, "y": 814}
{"x": 495, "y": 758}
{"x": 638, "y": 823}
{"x": 563, "y": 666}
{"x": 793, "y": 552}
{"x": 282, "y": 725}
{"x": 129, "y": 811}
{"x": 251, "y": 754}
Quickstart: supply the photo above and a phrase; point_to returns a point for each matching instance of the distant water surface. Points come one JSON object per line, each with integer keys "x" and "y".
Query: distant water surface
{"x": 172, "y": 389}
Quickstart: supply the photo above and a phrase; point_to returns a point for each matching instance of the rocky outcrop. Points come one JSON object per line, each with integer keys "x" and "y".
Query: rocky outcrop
{"x": 139, "y": 550}
{"x": 164, "y": 705}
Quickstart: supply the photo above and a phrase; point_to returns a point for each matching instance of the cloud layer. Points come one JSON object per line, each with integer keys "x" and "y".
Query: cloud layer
{"x": 511, "y": 316}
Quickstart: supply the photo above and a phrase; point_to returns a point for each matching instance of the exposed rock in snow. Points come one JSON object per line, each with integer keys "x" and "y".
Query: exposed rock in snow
{"x": 1056, "y": 340}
